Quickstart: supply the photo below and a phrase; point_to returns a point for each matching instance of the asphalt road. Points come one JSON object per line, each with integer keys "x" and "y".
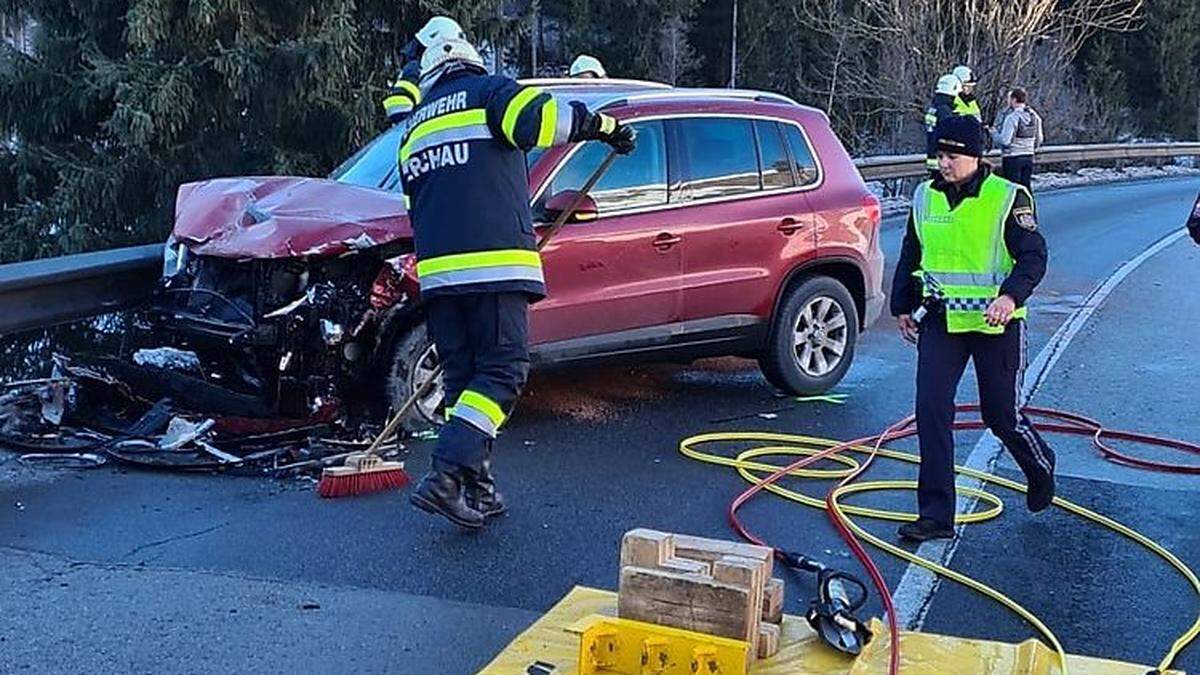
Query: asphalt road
{"x": 115, "y": 571}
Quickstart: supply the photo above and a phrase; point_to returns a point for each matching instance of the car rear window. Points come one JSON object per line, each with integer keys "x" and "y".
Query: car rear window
{"x": 636, "y": 180}
{"x": 720, "y": 158}
{"x": 803, "y": 161}
{"x": 776, "y": 167}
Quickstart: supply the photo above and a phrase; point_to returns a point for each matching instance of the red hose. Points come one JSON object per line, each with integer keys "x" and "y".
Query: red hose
{"x": 1065, "y": 422}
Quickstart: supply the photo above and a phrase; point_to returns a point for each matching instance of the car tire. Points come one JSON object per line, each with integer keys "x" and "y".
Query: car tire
{"x": 816, "y": 317}
{"x": 413, "y": 359}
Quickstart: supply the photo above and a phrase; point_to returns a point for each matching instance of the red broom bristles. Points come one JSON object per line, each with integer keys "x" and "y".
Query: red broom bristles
{"x": 352, "y": 484}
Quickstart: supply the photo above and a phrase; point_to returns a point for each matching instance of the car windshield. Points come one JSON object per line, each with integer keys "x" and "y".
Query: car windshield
{"x": 374, "y": 165}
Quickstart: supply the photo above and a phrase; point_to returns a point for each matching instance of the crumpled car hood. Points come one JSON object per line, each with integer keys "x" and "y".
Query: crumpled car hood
{"x": 285, "y": 217}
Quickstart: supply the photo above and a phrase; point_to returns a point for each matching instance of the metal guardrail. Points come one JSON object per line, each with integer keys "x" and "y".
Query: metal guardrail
{"x": 43, "y": 293}
{"x": 47, "y": 292}
{"x": 907, "y": 166}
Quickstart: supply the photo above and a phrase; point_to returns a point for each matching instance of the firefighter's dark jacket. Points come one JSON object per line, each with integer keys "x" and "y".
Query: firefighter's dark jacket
{"x": 462, "y": 167}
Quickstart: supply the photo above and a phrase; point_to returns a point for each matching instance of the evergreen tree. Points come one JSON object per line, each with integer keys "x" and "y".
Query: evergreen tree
{"x": 633, "y": 38}
{"x": 1173, "y": 27}
{"x": 120, "y": 101}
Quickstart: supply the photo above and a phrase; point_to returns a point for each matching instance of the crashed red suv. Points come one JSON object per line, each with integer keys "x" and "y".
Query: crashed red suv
{"x": 739, "y": 226}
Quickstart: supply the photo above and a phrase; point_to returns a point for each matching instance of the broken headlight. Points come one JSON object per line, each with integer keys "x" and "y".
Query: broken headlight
{"x": 174, "y": 258}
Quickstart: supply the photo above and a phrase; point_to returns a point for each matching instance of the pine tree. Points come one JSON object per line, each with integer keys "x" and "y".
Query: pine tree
{"x": 1173, "y": 27}
{"x": 120, "y": 101}
{"x": 633, "y": 38}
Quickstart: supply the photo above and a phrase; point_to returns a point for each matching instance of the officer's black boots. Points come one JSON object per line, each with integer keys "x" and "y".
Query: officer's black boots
{"x": 442, "y": 493}
{"x": 1040, "y": 492}
{"x": 481, "y": 494}
{"x": 924, "y": 529}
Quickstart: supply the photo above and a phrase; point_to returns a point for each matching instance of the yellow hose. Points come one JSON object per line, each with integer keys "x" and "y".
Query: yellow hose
{"x": 791, "y": 444}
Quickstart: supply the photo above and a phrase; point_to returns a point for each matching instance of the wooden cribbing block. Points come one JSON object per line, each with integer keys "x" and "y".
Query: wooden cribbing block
{"x": 772, "y": 611}
{"x": 699, "y": 548}
{"x": 768, "y": 640}
{"x": 646, "y": 548}
{"x": 685, "y": 601}
{"x": 685, "y": 566}
{"x": 744, "y": 573}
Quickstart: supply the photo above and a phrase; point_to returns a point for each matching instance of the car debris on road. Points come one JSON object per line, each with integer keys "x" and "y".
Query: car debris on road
{"x": 83, "y": 417}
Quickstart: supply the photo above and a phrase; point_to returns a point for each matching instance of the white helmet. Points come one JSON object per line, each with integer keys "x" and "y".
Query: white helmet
{"x": 949, "y": 85}
{"x": 439, "y": 28}
{"x": 445, "y": 51}
{"x": 587, "y": 66}
{"x": 964, "y": 74}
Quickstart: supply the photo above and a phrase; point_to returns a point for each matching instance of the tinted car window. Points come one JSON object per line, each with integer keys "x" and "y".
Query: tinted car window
{"x": 721, "y": 158}
{"x": 636, "y": 180}
{"x": 374, "y": 165}
{"x": 802, "y": 156}
{"x": 776, "y": 167}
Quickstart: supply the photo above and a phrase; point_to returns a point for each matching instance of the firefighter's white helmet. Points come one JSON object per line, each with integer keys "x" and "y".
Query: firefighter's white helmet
{"x": 444, "y": 52}
{"x": 949, "y": 85}
{"x": 587, "y": 66}
{"x": 439, "y": 28}
{"x": 964, "y": 74}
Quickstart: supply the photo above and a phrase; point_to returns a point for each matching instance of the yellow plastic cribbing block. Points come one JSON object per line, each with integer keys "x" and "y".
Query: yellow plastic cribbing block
{"x": 612, "y": 646}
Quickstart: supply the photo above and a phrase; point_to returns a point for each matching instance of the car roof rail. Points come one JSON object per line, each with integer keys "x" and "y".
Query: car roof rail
{"x": 592, "y": 82}
{"x": 689, "y": 94}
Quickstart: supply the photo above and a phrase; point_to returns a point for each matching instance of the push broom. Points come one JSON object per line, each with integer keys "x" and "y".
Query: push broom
{"x": 366, "y": 472}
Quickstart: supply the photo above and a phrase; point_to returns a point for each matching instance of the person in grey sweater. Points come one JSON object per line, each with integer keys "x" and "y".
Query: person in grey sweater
{"x": 1018, "y": 134}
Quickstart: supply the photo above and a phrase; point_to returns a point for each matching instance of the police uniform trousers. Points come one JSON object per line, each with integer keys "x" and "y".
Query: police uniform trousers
{"x": 999, "y": 367}
{"x": 482, "y": 342}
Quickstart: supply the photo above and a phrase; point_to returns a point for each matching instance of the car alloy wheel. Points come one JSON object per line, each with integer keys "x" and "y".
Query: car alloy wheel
{"x": 820, "y": 336}
{"x": 428, "y": 406}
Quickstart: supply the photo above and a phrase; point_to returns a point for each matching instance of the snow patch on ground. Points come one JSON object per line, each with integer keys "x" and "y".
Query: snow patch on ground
{"x": 1052, "y": 180}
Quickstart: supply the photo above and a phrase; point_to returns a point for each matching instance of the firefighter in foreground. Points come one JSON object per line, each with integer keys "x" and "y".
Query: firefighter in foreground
{"x": 971, "y": 258}
{"x": 405, "y": 91}
{"x": 462, "y": 164}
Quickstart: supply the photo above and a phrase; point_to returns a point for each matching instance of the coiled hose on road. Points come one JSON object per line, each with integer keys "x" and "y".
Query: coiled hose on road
{"x": 812, "y": 450}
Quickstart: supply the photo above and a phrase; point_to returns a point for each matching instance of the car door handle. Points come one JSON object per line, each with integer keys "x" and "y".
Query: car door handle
{"x": 789, "y": 226}
{"x": 665, "y": 241}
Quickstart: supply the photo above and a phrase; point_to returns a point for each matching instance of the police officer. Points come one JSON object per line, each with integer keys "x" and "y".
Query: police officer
{"x": 965, "y": 102}
{"x": 462, "y": 165}
{"x": 972, "y": 256}
{"x": 405, "y": 93}
{"x": 941, "y": 107}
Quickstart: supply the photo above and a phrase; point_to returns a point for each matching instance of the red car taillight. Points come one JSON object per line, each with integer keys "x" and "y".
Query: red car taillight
{"x": 870, "y": 204}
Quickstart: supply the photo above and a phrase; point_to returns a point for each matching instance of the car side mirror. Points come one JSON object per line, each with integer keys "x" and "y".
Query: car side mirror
{"x": 585, "y": 211}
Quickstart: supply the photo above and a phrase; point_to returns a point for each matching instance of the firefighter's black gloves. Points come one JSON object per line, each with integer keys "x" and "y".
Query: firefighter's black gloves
{"x": 622, "y": 138}
{"x": 607, "y": 129}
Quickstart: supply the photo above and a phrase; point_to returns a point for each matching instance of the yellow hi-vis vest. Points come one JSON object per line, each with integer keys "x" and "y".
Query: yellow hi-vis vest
{"x": 961, "y": 107}
{"x": 963, "y": 250}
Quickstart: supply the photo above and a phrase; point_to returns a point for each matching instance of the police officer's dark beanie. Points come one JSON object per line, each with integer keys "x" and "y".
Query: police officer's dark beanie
{"x": 960, "y": 135}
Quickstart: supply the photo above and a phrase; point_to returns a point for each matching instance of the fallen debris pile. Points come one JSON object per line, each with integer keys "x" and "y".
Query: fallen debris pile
{"x": 84, "y": 416}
